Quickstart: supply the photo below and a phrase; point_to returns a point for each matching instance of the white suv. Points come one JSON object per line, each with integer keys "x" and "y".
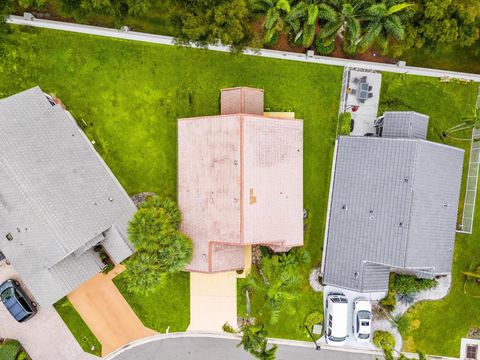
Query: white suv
{"x": 337, "y": 319}
{"x": 362, "y": 320}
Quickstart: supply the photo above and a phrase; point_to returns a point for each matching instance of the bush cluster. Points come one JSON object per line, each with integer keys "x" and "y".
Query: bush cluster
{"x": 344, "y": 123}
{"x": 315, "y": 317}
{"x": 384, "y": 340}
{"x": 389, "y": 301}
{"x": 409, "y": 284}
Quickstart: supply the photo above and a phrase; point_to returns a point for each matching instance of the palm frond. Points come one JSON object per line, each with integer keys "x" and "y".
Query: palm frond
{"x": 398, "y": 7}
{"x": 394, "y": 27}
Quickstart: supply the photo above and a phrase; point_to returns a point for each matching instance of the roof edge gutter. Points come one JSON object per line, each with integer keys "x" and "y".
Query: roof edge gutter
{"x": 330, "y": 192}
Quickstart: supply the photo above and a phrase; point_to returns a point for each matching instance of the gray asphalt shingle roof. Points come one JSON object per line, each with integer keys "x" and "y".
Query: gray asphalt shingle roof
{"x": 393, "y": 205}
{"x": 405, "y": 124}
{"x": 58, "y": 196}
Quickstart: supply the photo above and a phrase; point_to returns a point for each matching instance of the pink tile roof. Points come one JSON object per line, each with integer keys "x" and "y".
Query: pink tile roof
{"x": 239, "y": 182}
{"x": 241, "y": 100}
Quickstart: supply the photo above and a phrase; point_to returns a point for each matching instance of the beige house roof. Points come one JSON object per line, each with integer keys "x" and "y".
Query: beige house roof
{"x": 241, "y": 100}
{"x": 240, "y": 182}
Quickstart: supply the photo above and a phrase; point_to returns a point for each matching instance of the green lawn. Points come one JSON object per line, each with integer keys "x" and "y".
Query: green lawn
{"x": 129, "y": 95}
{"x": 446, "y": 57}
{"x": 168, "y": 307}
{"x": 77, "y": 327}
{"x": 437, "y": 326}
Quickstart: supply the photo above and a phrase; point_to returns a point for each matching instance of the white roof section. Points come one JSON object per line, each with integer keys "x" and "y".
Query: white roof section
{"x": 58, "y": 198}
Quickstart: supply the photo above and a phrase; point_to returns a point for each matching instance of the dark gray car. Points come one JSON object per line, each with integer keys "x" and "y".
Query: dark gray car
{"x": 16, "y": 301}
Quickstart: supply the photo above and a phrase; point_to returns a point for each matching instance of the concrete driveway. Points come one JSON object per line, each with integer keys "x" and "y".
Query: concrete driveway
{"x": 45, "y": 336}
{"x": 352, "y": 296}
{"x": 213, "y": 301}
{"x": 107, "y": 313}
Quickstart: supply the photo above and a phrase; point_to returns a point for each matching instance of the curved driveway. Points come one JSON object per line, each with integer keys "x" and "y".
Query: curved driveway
{"x": 212, "y": 348}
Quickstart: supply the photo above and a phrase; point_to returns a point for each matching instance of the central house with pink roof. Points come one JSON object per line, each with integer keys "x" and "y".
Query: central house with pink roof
{"x": 240, "y": 181}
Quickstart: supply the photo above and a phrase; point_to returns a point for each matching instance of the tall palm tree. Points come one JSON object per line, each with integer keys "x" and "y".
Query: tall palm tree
{"x": 469, "y": 122}
{"x": 275, "y": 12}
{"x": 384, "y": 22}
{"x": 346, "y": 23}
{"x": 255, "y": 341}
{"x": 303, "y": 18}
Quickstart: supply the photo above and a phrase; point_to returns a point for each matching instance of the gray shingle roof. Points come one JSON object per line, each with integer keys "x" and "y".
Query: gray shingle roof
{"x": 393, "y": 205}
{"x": 58, "y": 197}
{"x": 405, "y": 124}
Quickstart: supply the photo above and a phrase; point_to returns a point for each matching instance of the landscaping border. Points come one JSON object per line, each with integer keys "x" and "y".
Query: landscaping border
{"x": 401, "y": 67}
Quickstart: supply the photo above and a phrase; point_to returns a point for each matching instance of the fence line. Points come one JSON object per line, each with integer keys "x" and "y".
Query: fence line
{"x": 400, "y": 67}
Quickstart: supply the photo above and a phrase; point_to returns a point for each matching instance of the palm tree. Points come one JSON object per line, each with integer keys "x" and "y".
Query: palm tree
{"x": 275, "y": 12}
{"x": 346, "y": 23}
{"x": 468, "y": 123}
{"x": 275, "y": 282}
{"x": 255, "y": 341}
{"x": 383, "y": 23}
{"x": 303, "y": 18}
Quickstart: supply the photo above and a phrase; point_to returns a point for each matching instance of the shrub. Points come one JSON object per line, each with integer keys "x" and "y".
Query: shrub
{"x": 315, "y": 317}
{"x": 389, "y": 301}
{"x": 10, "y": 349}
{"x": 344, "y": 125}
{"x": 273, "y": 40}
{"x": 228, "y": 328}
{"x": 402, "y": 324}
{"x": 324, "y": 47}
{"x": 409, "y": 284}
{"x": 384, "y": 340}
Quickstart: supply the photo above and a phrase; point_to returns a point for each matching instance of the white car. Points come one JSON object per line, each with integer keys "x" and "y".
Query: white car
{"x": 336, "y": 322}
{"x": 362, "y": 320}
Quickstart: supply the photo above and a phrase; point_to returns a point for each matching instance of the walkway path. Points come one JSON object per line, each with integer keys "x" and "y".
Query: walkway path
{"x": 213, "y": 301}
{"x": 107, "y": 314}
{"x": 45, "y": 336}
{"x": 166, "y": 40}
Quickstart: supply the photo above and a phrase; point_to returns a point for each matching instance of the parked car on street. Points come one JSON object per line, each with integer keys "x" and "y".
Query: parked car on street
{"x": 362, "y": 320}
{"x": 17, "y": 301}
{"x": 336, "y": 319}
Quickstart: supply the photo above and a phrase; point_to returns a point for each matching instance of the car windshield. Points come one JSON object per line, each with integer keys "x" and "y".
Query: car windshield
{"x": 363, "y": 314}
{"x": 337, "y": 339}
{"x": 7, "y": 294}
{"x": 363, "y": 336}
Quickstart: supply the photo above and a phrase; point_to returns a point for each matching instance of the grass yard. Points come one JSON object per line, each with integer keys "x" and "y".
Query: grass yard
{"x": 438, "y": 326}
{"x": 446, "y": 57}
{"x": 77, "y": 327}
{"x": 168, "y": 307}
{"x": 127, "y": 97}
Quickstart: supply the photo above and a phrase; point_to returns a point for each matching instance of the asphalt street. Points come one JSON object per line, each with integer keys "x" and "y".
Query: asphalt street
{"x": 223, "y": 349}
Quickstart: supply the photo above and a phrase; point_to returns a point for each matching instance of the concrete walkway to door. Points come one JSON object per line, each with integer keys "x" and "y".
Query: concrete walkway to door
{"x": 106, "y": 312}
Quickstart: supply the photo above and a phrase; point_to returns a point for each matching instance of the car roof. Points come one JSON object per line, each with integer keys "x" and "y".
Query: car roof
{"x": 339, "y": 313}
{"x": 15, "y": 308}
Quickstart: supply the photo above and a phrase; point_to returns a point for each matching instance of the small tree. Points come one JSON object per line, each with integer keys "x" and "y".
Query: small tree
{"x": 469, "y": 122}
{"x": 255, "y": 342}
{"x": 160, "y": 248}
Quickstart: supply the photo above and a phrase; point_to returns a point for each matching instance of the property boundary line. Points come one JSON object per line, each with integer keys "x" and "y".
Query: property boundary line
{"x": 400, "y": 67}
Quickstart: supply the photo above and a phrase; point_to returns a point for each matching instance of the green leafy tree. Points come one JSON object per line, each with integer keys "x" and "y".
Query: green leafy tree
{"x": 160, "y": 248}
{"x": 208, "y": 22}
{"x": 383, "y": 24}
{"x": 436, "y": 22}
{"x": 303, "y": 19}
{"x": 275, "y": 281}
{"x": 275, "y": 12}
{"x": 346, "y": 23}
{"x": 118, "y": 9}
{"x": 255, "y": 342}
{"x": 469, "y": 122}
{"x": 31, "y": 3}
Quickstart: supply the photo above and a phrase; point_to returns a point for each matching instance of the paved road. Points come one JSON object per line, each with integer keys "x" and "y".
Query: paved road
{"x": 203, "y": 348}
